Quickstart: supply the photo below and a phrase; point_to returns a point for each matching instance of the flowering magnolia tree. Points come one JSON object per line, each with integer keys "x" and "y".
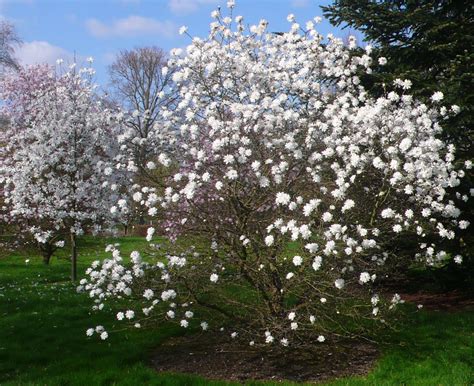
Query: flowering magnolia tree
{"x": 18, "y": 93}
{"x": 139, "y": 176}
{"x": 294, "y": 185}
{"x": 58, "y": 146}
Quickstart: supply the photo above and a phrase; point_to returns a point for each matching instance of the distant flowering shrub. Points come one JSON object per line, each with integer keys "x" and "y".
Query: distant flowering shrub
{"x": 293, "y": 181}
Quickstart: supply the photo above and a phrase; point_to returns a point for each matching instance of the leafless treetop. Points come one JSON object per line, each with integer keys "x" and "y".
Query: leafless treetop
{"x": 137, "y": 78}
{"x": 8, "y": 39}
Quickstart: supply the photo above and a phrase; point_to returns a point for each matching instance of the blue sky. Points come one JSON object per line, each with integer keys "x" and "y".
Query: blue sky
{"x": 53, "y": 29}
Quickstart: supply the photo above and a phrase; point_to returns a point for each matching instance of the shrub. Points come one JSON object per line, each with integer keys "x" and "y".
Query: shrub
{"x": 292, "y": 180}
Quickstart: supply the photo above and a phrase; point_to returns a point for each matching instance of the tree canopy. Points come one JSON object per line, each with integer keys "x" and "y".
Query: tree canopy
{"x": 428, "y": 42}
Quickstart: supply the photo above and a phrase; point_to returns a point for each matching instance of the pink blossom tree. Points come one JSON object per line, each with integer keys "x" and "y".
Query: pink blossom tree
{"x": 18, "y": 92}
{"x": 58, "y": 146}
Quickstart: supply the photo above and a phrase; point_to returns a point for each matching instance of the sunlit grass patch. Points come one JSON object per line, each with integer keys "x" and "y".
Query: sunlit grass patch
{"x": 43, "y": 322}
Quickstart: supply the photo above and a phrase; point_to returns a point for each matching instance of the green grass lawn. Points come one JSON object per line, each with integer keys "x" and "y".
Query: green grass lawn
{"x": 43, "y": 342}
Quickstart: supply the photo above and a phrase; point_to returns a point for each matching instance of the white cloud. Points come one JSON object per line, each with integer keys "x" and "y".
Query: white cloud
{"x": 71, "y": 17}
{"x": 109, "y": 57}
{"x": 4, "y": 3}
{"x": 39, "y": 52}
{"x": 131, "y": 26}
{"x": 299, "y": 3}
{"x": 181, "y": 7}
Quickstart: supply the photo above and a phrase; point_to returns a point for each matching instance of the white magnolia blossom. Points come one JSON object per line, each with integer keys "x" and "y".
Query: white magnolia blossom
{"x": 364, "y": 277}
{"x": 297, "y": 260}
{"x": 340, "y": 283}
{"x": 299, "y": 181}
{"x": 269, "y": 240}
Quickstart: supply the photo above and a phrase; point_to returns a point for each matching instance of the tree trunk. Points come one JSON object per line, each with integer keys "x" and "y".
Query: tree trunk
{"x": 46, "y": 258}
{"x": 73, "y": 257}
{"x": 47, "y": 251}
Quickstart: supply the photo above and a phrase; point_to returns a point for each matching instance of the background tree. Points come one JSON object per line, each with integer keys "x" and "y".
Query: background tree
{"x": 141, "y": 82}
{"x": 18, "y": 91}
{"x": 429, "y": 43}
{"x": 142, "y": 85}
{"x": 8, "y": 39}
{"x": 59, "y": 148}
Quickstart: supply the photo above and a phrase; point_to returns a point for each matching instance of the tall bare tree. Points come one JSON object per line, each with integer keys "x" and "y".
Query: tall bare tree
{"x": 140, "y": 84}
{"x": 8, "y": 40}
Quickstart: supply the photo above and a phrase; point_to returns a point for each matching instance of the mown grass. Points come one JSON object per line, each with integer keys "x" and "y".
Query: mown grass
{"x": 43, "y": 322}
